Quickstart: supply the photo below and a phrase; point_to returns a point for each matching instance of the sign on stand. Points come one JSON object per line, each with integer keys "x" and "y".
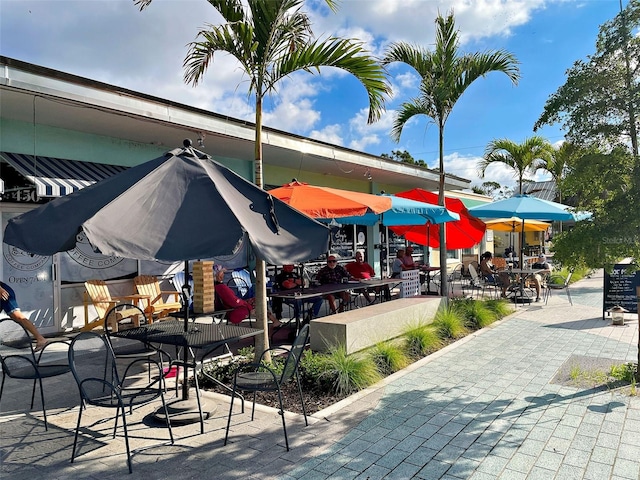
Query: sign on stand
{"x": 620, "y": 287}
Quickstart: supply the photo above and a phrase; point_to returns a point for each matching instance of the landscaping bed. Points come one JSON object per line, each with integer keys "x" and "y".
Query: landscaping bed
{"x": 330, "y": 377}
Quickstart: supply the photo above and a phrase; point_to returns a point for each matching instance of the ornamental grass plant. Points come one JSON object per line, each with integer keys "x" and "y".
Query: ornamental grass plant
{"x": 449, "y": 323}
{"x": 421, "y": 340}
{"x": 389, "y": 357}
{"x": 350, "y": 373}
{"x": 476, "y": 314}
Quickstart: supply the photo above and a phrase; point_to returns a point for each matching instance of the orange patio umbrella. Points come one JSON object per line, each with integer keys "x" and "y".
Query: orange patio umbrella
{"x": 513, "y": 223}
{"x": 327, "y": 202}
{"x": 463, "y": 233}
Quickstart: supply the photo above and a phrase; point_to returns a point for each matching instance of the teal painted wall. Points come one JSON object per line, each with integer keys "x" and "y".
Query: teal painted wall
{"x": 18, "y": 137}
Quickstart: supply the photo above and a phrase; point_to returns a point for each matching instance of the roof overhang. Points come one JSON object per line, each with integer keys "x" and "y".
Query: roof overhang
{"x": 84, "y": 105}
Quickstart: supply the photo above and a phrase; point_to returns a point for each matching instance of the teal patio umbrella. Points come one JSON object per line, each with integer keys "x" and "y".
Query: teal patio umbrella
{"x": 525, "y": 207}
{"x": 404, "y": 211}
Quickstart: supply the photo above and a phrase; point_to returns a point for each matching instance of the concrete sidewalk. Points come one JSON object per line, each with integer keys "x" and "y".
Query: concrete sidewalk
{"x": 489, "y": 406}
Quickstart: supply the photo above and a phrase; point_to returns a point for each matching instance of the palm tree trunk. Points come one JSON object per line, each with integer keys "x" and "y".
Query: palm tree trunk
{"x": 262, "y": 342}
{"x": 443, "y": 231}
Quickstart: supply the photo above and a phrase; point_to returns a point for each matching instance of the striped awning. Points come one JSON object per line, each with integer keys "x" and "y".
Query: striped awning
{"x": 54, "y": 177}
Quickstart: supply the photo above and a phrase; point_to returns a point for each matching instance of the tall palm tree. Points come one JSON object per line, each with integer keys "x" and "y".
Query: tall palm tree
{"x": 521, "y": 157}
{"x": 445, "y": 75}
{"x": 271, "y": 39}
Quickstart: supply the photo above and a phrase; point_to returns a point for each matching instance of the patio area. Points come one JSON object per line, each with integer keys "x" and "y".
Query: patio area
{"x": 372, "y": 433}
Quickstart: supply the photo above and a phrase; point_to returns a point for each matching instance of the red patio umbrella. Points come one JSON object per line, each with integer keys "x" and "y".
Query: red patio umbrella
{"x": 463, "y": 233}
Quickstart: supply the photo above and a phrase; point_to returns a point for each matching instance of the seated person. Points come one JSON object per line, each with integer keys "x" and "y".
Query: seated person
{"x": 408, "y": 261}
{"x": 225, "y": 299}
{"x": 398, "y": 264}
{"x": 332, "y": 273}
{"x": 9, "y": 305}
{"x": 288, "y": 279}
{"x": 490, "y": 273}
{"x": 361, "y": 270}
{"x": 543, "y": 267}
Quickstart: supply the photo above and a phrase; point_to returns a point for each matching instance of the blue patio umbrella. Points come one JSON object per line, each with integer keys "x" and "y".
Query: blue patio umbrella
{"x": 525, "y": 207}
{"x": 404, "y": 211}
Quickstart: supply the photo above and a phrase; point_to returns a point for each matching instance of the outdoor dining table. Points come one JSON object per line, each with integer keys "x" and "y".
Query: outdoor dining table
{"x": 523, "y": 274}
{"x": 307, "y": 293}
{"x": 205, "y": 337}
{"x": 381, "y": 282}
{"x": 428, "y": 272}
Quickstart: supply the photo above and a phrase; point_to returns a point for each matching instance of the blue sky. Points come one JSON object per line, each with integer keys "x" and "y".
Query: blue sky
{"x": 111, "y": 41}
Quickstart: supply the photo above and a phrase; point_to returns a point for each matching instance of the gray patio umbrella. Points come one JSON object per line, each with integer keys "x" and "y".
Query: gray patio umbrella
{"x": 180, "y": 206}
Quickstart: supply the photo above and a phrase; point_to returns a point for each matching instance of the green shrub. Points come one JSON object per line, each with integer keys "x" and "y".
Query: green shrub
{"x": 578, "y": 273}
{"x": 222, "y": 370}
{"x": 625, "y": 372}
{"x": 388, "y": 357}
{"x": 449, "y": 323}
{"x": 350, "y": 373}
{"x": 313, "y": 371}
{"x": 421, "y": 340}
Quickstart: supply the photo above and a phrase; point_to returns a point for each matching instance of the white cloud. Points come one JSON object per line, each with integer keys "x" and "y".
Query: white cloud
{"x": 293, "y": 117}
{"x": 329, "y": 134}
{"x": 408, "y": 80}
{"x": 413, "y": 20}
{"x": 361, "y": 143}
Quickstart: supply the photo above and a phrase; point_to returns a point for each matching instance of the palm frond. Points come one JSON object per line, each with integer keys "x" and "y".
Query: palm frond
{"x": 346, "y": 55}
{"x": 237, "y": 42}
{"x": 231, "y": 10}
{"x": 413, "y": 55}
{"x": 408, "y": 110}
{"x": 480, "y": 64}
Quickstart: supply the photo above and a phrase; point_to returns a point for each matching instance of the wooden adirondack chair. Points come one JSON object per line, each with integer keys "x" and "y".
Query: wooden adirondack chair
{"x": 161, "y": 303}
{"x": 97, "y": 294}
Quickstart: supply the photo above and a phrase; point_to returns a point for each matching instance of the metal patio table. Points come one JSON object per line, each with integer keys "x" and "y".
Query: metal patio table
{"x": 203, "y": 337}
{"x": 523, "y": 273}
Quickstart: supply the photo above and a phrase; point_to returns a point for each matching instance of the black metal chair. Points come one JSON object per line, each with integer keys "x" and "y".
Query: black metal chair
{"x": 258, "y": 377}
{"x": 124, "y": 316}
{"x": 19, "y": 360}
{"x": 93, "y": 365}
{"x": 558, "y": 282}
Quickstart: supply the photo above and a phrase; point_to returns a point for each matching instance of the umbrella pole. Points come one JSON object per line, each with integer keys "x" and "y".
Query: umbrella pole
{"x": 522, "y": 246}
{"x": 428, "y": 243}
{"x": 386, "y": 262}
{"x": 186, "y": 295}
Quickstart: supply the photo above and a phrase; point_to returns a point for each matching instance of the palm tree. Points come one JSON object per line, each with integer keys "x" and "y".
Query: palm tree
{"x": 445, "y": 75}
{"x": 558, "y": 164}
{"x": 521, "y": 157}
{"x": 271, "y": 39}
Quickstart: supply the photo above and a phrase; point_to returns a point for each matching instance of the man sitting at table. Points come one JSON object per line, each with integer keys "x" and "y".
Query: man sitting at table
{"x": 225, "y": 299}
{"x": 288, "y": 279}
{"x": 543, "y": 267}
{"x": 332, "y": 273}
{"x": 361, "y": 270}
